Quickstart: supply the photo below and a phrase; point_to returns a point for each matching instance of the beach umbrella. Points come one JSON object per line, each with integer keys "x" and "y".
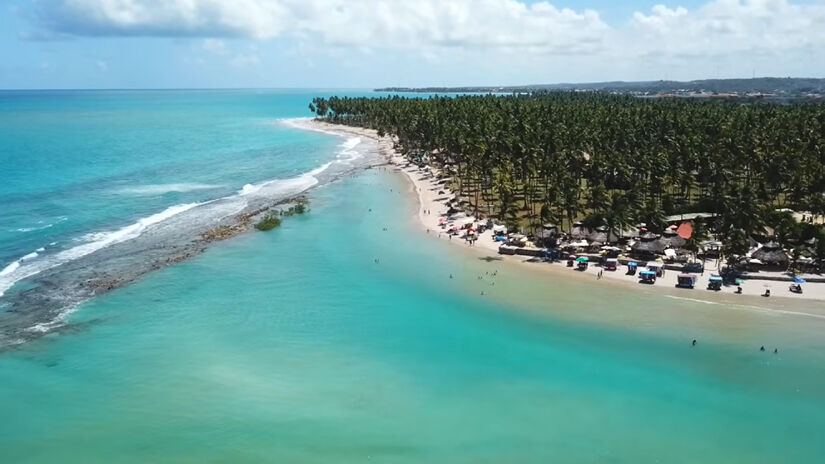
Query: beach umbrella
{"x": 740, "y": 282}
{"x": 798, "y": 280}
{"x": 685, "y": 230}
{"x": 582, "y": 259}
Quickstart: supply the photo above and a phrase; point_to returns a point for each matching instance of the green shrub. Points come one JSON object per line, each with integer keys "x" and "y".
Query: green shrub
{"x": 269, "y": 222}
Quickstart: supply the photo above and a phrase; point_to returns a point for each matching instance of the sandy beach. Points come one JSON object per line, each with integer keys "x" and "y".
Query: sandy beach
{"x": 432, "y": 207}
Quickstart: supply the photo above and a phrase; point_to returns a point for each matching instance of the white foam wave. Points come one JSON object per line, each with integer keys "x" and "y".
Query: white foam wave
{"x": 27, "y": 266}
{"x": 281, "y": 186}
{"x": 160, "y": 189}
{"x": 348, "y": 152}
{"x": 9, "y": 269}
{"x": 43, "y": 227}
{"x": 32, "y": 229}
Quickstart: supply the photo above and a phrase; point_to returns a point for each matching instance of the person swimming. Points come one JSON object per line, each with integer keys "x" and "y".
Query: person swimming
{"x": 762, "y": 349}
{"x": 694, "y": 342}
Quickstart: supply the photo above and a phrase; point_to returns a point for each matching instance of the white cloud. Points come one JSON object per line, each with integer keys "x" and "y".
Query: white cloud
{"x": 502, "y": 24}
{"x": 724, "y": 27}
{"x": 476, "y": 34}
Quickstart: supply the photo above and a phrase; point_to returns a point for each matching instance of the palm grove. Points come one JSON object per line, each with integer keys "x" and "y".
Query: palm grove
{"x": 616, "y": 160}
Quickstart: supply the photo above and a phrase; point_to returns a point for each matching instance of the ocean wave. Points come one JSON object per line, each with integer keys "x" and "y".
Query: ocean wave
{"x": 27, "y": 266}
{"x": 348, "y": 152}
{"x": 43, "y": 227}
{"x": 281, "y": 186}
{"x": 161, "y": 189}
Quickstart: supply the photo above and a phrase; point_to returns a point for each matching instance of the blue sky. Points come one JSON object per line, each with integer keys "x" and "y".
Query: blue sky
{"x": 367, "y": 43}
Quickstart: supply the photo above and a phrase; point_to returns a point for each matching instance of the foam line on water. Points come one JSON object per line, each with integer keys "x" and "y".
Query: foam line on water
{"x": 160, "y": 189}
{"x": 22, "y": 269}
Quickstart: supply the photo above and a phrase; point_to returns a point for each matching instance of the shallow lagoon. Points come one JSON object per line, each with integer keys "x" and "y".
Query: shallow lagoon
{"x": 296, "y": 346}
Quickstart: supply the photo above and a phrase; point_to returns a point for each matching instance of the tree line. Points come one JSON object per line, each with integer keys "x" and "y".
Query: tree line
{"x": 614, "y": 160}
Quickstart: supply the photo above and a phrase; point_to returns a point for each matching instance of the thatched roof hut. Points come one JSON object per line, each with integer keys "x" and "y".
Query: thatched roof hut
{"x": 670, "y": 239}
{"x": 648, "y": 247}
{"x": 771, "y": 254}
{"x": 602, "y": 237}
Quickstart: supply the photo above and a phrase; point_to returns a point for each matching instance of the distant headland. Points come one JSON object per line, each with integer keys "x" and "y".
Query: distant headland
{"x": 757, "y": 87}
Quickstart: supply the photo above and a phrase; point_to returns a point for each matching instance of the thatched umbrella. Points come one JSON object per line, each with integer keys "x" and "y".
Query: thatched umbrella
{"x": 771, "y": 254}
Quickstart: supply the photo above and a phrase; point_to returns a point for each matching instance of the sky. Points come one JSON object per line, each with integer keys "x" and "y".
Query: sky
{"x": 50, "y": 44}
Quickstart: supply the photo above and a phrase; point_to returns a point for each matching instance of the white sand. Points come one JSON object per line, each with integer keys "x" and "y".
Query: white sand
{"x": 427, "y": 189}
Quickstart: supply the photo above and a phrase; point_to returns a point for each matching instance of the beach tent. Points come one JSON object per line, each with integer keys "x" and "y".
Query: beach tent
{"x": 647, "y": 276}
{"x": 686, "y": 281}
{"x": 715, "y": 283}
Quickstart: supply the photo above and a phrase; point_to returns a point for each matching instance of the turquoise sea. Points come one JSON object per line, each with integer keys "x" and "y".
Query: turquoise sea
{"x": 295, "y": 345}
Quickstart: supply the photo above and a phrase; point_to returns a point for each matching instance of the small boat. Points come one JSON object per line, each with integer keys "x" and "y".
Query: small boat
{"x": 686, "y": 281}
{"x": 715, "y": 283}
{"x": 647, "y": 277}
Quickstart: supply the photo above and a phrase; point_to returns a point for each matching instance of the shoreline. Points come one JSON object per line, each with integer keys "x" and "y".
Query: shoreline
{"x": 426, "y": 191}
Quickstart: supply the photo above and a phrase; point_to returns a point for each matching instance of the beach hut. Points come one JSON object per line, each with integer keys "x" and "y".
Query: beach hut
{"x": 648, "y": 246}
{"x": 580, "y": 232}
{"x": 686, "y": 281}
{"x": 602, "y": 236}
{"x": 671, "y": 239}
{"x": 647, "y": 277}
{"x": 772, "y": 256}
{"x": 715, "y": 283}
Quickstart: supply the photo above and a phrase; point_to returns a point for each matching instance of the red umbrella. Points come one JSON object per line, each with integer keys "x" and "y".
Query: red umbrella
{"x": 685, "y": 230}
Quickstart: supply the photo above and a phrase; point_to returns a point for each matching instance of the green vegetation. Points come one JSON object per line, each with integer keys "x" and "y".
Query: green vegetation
{"x": 301, "y": 206}
{"x": 616, "y": 160}
{"x": 273, "y": 218}
{"x": 269, "y": 222}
